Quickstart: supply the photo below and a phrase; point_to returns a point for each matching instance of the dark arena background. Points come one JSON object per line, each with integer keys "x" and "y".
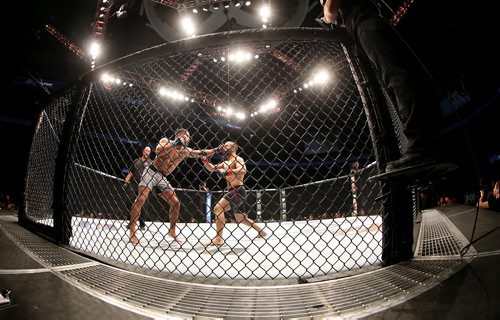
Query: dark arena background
{"x": 312, "y": 122}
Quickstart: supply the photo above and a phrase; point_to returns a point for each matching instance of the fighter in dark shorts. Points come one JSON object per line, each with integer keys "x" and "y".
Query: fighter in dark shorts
{"x": 233, "y": 169}
{"x": 237, "y": 198}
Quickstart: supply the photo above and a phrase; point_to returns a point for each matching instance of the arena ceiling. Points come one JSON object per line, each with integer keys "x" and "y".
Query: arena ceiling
{"x": 444, "y": 34}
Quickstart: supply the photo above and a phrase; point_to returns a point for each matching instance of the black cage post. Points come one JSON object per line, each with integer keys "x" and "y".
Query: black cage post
{"x": 70, "y": 134}
{"x": 386, "y": 134}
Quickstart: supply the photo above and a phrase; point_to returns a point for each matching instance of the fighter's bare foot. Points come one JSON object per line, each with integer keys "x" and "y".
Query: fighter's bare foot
{"x": 175, "y": 237}
{"x": 216, "y": 242}
{"x": 134, "y": 240}
{"x": 262, "y": 234}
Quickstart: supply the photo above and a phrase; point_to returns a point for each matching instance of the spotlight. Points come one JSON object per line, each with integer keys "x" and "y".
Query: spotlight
{"x": 236, "y": 3}
{"x": 188, "y": 26}
{"x": 205, "y": 8}
{"x": 216, "y": 6}
{"x": 225, "y": 4}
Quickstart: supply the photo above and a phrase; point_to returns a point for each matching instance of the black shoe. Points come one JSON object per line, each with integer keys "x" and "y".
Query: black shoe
{"x": 415, "y": 168}
{"x": 411, "y": 160}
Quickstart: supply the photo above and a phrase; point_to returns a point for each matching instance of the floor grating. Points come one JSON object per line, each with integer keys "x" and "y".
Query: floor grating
{"x": 437, "y": 257}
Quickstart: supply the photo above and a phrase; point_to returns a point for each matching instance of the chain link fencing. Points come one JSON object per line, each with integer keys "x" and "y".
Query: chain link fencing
{"x": 290, "y": 100}
{"x": 39, "y": 184}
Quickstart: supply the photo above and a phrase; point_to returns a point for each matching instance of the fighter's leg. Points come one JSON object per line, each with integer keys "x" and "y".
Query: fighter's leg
{"x": 220, "y": 220}
{"x": 242, "y": 218}
{"x": 175, "y": 206}
{"x": 135, "y": 212}
{"x": 142, "y": 223}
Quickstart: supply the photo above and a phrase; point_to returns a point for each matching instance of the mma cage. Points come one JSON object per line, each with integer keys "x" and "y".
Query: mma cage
{"x": 312, "y": 122}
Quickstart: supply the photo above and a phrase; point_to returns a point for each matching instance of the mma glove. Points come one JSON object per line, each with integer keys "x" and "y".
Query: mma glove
{"x": 218, "y": 150}
{"x": 178, "y": 142}
{"x": 223, "y": 172}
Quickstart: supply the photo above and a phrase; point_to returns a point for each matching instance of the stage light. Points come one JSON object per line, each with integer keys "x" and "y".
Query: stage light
{"x": 269, "y": 105}
{"x": 225, "y": 4}
{"x": 248, "y": 3}
{"x": 205, "y": 8}
{"x": 240, "y": 115}
{"x": 105, "y": 77}
{"x": 94, "y": 50}
{"x": 265, "y": 13}
{"x": 321, "y": 77}
{"x": 188, "y": 26}
{"x": 216, "y": 6}
{"x": 241, "y": 56}
{"x": 236, "y": 3}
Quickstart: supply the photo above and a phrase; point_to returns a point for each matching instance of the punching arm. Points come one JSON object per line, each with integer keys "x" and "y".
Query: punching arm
{"x": 194, "y": 153}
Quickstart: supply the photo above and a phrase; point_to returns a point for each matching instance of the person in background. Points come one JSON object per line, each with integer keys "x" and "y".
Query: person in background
{"x": 134, "y": 177}
{"x": 491, "y": 202}
{"x": 415, "y": 92}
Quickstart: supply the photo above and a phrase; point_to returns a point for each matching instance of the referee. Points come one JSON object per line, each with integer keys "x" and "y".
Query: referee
{"x": 134, "y": 175}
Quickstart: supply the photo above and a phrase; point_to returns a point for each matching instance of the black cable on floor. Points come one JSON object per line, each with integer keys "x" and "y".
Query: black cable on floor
{"x": 465, "y": 249}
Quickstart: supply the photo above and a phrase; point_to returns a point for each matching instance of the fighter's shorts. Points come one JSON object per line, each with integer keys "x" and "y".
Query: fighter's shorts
{"x": 237, "y": 198}
{"x": 151, "y": 178}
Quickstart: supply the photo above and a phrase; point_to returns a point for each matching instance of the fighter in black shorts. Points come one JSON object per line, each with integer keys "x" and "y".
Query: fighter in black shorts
{"x": 237, "y": 198}
{"x": 233, "y": 169}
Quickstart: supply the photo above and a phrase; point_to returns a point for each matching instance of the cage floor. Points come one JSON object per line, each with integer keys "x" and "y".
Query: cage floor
{"x": 291, "y": 249}
{"x": 468, "y": 286}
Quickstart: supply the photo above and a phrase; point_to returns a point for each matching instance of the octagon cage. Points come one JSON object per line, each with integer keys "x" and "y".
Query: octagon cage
{"x": 307, "y": 116}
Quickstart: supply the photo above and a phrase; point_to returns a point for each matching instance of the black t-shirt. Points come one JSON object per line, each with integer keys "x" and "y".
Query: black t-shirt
{"x": 138, "y": 167}
{"x": 494, "y": 204}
